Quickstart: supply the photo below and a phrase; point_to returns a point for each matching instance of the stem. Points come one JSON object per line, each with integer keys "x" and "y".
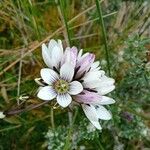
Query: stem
{"x": 22, "y": 31}
{"x": 65, "y": 20}
{"x": 101, "y": 21}
{"x": 100, "y": 145}
{"x": 67, "y": 143}
{"x": 91, "y": 21}
{"x": 28, "y": 108}
{"x": 70, "y": 118}
{"x": 10, "y": 128}
{"x": 52, "y": 118}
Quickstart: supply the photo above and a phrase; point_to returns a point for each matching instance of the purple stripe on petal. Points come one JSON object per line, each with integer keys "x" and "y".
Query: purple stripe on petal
{"x": 73, "y": 55}
{"x": 88, "y": 97}
{"x": 66, "y": 56}
{"x": 70, "y": 56}
{"x": 85, "y": 64}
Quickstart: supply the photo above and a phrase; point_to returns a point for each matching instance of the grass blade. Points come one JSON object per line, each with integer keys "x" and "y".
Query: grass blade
{"x": 98, "y": 5}
{"x": 61, "y": 3}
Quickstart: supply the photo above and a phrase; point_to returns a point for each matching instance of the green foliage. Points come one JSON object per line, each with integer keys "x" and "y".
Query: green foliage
{"x": 136, "y": 77}
{"x": 82, "y": 134}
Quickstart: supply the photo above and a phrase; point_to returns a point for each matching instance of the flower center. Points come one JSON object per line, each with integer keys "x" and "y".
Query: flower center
{"x": 61, "y": 86}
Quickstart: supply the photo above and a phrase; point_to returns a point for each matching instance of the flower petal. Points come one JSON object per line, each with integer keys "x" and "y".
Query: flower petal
{"x": 79, "y": 54}
{"x": 75, "y": 88}
{"x": 97, "y": 124}
{"x": 88, "y": 97}
{"x": 66, "y": 56}
{"x": 70, "y": 56}
{"x": 73, "y": 55}
{"x": 46, "y": 54}
{"x": 40, "y": 81}
{"x": 91, "y": 114}
{"x": 60, "y": 44}
{"x": 49, "y": 76}
{"x": 95, "y": 65}
{"x": 103, "y": 113}
{"x": 105, "y": 89}
{"x": 55, "y": 52}
{"x": 46, "y": 93}
{"x": 81, "y": 57}
{"x": 93, "y": 75}
{"x": 67, "y": 72}
{"x": 106, "y": 80}
{"x": 106, "y": 100}
{"x": 52, "y": 43}
{"x": 106, "y": 86}
{"x": 56, "y": 56}
{"x": 84, "y": 64}
{"x": 64, "y": 99}
{"x": 91, "y": 84}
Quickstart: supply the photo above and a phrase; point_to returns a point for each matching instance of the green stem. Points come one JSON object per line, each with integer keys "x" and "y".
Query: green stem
{"x": 10, "y": 128}
{"x": 52, "y": 118}
{"x": 100, "y": 145}
{"x": 65, "y": 20}
{"x": 67, "y": 143}
{"x": 101, "y": 21}
{"x": 28, "y": 108}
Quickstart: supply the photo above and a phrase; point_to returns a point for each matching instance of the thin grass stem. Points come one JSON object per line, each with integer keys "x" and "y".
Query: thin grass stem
{"x": 46, "y": 39}
{"x": 67, "y": 143}
{"x": 52, "y": 118}
{"x": 10, "y": 128}
{"x": 101, "y": 21}
{"x": 92, "y": 20}
{"x": 61, "y": 3}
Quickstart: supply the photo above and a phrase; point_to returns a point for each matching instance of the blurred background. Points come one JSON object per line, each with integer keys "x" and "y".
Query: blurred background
{"x": 124, "y": 54}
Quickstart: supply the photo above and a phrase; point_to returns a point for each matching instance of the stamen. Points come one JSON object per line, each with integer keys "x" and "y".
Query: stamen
{"x": 61, "y": 86}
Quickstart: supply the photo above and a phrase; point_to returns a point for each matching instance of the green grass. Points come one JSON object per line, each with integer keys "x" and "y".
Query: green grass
{"x": 104, "y": 34}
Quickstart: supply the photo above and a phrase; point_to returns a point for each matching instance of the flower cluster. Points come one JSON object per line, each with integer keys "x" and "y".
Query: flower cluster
{"x": 73, "y": 76}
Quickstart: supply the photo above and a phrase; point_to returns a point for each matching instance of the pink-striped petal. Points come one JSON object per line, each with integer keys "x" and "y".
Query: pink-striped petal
{"x": 105, "y": 89}
{"x": 106, "y": 101}
{"x": 103, "y": 113}
{"x": 49, "y": 76}
{"x": 75, "y": 88}
{"x": 95, "y": 65}
{"x": 64, "y": 99}
{"x": 84, "y": 64}
{"x": 91, "y": 114}
{"x": 46, "y": 93}
{"x": 67, "y": 72}
{"x": 88, "y": 97}
{"x": 70, "y": 56}
{"x": 46, "y": 54}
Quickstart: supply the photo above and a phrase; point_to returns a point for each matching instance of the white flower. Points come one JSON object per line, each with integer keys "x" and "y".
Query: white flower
{"x": 2, "y": 115}
{"x": 72, "y": 74}
{"x": 59, "y": 86}
{"x": 96, "y": 84}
